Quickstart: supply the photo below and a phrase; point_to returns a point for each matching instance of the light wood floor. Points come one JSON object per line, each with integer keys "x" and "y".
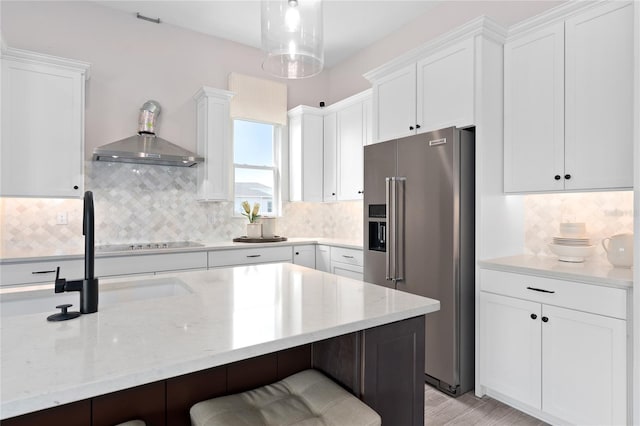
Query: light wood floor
{"x": 468, "y": 409}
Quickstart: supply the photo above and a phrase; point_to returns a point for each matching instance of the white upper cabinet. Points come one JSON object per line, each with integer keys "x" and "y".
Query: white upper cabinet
{"x": 534, "y": 111}
{"x": 599, "y": 99}
{"x": 305, "y": 153}
{"x": 435, "y": 90}
{"x": 394, "y": 105}
{"x": 42, "y": 147}
{"x": 330, "y": 172}
{"x": 568, "y": 107}
{"x": 213, "y": 136}
{"x": 346, "y": 131}
{"x": 445, "y": 88}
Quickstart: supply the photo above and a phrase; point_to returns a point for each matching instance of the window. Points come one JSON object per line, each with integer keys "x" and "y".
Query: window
{"x": 256, "y": 157}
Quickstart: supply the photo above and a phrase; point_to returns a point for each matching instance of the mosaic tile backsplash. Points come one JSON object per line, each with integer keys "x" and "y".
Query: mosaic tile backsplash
{"x": 140, "y": 203}
{"x": 137, "y": 203}
{"x": 604, "y": 213}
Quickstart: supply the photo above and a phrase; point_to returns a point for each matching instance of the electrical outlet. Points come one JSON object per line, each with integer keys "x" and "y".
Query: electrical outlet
{"x": 62, "y": 218}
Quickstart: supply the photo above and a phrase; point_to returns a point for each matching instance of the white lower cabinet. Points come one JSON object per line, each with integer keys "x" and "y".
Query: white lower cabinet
{"x": 305, "y": 256}
{"x": 19, "y": 273}
{"x": 510, "y": 341}
{"x": 323, "y": 258}
{"x": 347, "y": 263}
{"x": 565, "y": 365}
{"x": 249, "y": 256}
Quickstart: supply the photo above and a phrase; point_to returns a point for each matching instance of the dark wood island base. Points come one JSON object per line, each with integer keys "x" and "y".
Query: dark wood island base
{"x": 383, "y": 366}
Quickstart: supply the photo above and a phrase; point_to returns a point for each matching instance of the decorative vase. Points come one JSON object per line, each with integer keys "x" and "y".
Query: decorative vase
{"x": 254, "y": 230}
{"x": 268, "y": 226}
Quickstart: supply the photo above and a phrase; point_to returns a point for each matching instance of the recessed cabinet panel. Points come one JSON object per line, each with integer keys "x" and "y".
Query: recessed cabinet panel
{"x": 305, "y": 256}
{"x": 350, "y": 155}
{"x": 510, "y": 346}
{"x": 305, "y": 154}
{"x": 599, "y": 99}
{"x": 534, "y": 111}
{"x": 445, "y": 88}
{"x": 584, "y": 367}
{"x": 323, "y": 258}
{"x": 394, "y": 105}
{"x": 42, "y": 150}
{"x": 330, "y": 155}
{"x": 213, "y": 134}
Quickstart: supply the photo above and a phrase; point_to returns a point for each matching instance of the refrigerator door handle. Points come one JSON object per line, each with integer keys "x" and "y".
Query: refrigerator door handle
{"x": 398, "y": 249}
{"x": 391, "y": 229}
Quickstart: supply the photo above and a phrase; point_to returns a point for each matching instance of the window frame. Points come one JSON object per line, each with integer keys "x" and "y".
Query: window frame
{"x": 276, "y": 168}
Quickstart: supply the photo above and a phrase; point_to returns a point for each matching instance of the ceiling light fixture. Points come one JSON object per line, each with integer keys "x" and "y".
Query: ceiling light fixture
{"x": 292, "y": 38}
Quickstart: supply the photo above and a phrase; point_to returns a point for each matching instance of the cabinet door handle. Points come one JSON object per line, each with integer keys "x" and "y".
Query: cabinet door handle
{"x": 534, "y": 316}
{"x": 254, "y": 255}
{"x": 410, "y": 127}
{"x": 297, "y": 253}
{"x": 545, "y": 319}
{"x": 42, "y": 272}
{"x": 348, "y": 257}
{"x": 360, "y": 192}
{"x": 541, "y": 290}
{"x": 75, "y": 186}
{"x": 333, "y": 194}
{"x": 417, "y": 126}
{"x": 567, "y": 177}
{"x": 557, "y": 177}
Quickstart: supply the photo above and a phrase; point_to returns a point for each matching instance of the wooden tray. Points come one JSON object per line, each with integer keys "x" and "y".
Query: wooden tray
{"x": 274, "y": 239}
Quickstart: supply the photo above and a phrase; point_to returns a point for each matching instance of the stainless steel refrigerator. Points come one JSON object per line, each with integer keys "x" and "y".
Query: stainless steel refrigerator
{"x": 419, "y": 237}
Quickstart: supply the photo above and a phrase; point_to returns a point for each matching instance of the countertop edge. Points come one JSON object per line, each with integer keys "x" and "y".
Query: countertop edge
{"x": 522, "y": 265}
{"x": 211, "y": 246}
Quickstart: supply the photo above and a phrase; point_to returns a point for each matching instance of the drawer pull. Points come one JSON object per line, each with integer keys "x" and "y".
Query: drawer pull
{"x": 545, "y": 319}
{"x": 348, "y": 257}
{"x": 534, "y": 316}
{"x": 43, "y": 272}
{"x": 254, "y": 255}
{"x": 541, "y": 290}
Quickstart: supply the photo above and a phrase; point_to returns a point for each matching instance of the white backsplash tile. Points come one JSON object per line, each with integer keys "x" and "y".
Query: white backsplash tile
{"x": 139, "y": 203}
{"x": 605, "y": 214}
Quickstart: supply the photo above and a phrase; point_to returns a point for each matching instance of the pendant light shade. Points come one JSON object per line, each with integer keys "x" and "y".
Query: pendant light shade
{"x": 292, "y": 37}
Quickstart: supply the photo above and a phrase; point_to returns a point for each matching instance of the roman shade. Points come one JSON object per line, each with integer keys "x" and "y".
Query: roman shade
{"x": 258, "y": 99}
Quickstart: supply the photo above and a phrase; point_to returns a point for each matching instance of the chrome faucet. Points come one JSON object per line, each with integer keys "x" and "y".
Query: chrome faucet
{"x": 88, "y": 287}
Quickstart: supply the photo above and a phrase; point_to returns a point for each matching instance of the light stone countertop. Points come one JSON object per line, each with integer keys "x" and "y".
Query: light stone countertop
{"x": 591, "y": 271}
{"x": 229, "y": 314}
{"x": 31, "y": 256}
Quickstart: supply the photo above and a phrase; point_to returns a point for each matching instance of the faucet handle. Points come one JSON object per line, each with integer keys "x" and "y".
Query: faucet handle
{"x": 59, "y": 283}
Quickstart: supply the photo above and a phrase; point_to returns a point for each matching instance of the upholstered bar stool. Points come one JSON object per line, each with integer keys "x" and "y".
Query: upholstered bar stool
{"x": 132, "y": 423}
{"x": 306, "y": 398}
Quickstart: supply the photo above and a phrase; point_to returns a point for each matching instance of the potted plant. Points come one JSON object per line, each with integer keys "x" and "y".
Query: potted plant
{"x": 254, "y": 230}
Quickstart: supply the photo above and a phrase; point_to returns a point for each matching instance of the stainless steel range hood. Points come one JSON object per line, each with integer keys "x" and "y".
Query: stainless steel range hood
{"x": 146, "y": 147}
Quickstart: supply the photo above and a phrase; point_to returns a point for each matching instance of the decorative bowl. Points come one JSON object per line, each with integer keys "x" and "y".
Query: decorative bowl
{"x": 574, "y": 254}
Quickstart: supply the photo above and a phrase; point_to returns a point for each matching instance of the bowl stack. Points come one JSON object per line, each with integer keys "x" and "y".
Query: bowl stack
{"x": 573, "y": 243}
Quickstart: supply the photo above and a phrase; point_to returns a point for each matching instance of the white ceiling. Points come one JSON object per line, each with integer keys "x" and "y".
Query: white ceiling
{"x": 349, "y": 25}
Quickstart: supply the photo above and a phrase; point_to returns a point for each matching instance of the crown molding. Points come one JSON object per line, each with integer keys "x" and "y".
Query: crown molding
{"x": 304, "y": 109}
{"x": 29, "y": 57}
{"x": 351, "y": 100}
{"x": 214, "y": 93}
{"x": 551, "y": 16}
{"x": 480, "y": 26}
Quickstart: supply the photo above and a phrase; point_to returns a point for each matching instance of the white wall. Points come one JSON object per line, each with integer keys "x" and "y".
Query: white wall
{"x": 346, "y": 78}
{"x": 133, "y": 61}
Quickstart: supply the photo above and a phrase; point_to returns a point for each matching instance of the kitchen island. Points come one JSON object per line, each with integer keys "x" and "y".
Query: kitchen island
{"x": 217, "y": 318}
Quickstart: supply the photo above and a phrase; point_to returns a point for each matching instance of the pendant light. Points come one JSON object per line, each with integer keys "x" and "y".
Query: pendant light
{"x": 292, "y": 38}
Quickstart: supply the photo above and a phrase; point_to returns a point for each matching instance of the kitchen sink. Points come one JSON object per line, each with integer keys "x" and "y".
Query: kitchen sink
{"x": 45, "y": 300}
